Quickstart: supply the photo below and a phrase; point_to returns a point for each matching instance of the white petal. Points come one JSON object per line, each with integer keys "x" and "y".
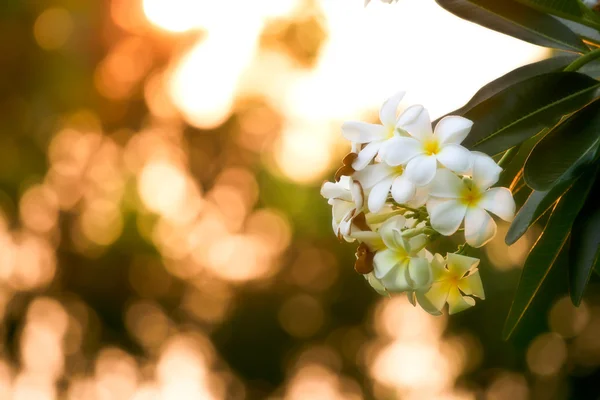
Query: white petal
{"x": 458, "y": 302}
{"x": 447, "y": 215}
{"x": 458, "y": 265}
{"x": 379, "y": 194}
{"x": 485, "y": 170}
{"x": 389, "y": 109}
{"x": 419, "y": 273}
{"x": 455, "y": 158}
{"x": 428, "y": 306}
{"x": 358, "y": 195}
{"x": 446, "y": 185}
{"x": 421, "y": 169}
{"x": 403, "y": 190}
{"x": 363, "y": 132}
{"x": 390, "y": 232}
{"x": 472, "y": 285}
{"x": 415, "y": 120}
{"x": 375, "y": 284}
{"x": 397, "y": 280}
{"x": 366, "y": 155}
{"x": 453, "y": 129}
{"x": 383, "y": 262}
{"x": 421, "y": 197}
{"x": 372, "y": 175}
{"x": 499, "y": 201}
{"x": 480, "y": 228}
{"x": 331, "y": 190}
{"x": 400, "y": 150}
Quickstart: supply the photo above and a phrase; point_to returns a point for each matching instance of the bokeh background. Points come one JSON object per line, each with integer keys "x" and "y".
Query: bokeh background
{"x": 162, "y": 235}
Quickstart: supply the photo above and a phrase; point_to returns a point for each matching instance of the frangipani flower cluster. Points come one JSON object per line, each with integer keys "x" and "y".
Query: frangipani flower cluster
{"x": 404, "y": 185}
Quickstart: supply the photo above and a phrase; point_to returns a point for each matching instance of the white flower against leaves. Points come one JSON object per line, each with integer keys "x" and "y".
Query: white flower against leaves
{"x": 424, "y": 150}
{"x": 455, "y": 279}
{"x": 347, "y": 200}
{"x": 374, "y": 135}
{"x": 453, "y": 199}
{"x": 400, "y": 264}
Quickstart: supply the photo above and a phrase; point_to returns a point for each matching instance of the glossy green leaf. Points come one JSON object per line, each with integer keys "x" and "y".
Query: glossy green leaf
{"x": 573, "y": 10}
{"x": 524, "y": 109}
{"x": 544, "y": 254}
{"x": 565, "y": 149}
{"x": 584, "y": 254}
{"x": 517, "y": 20}
{"x": 520, "y": 74}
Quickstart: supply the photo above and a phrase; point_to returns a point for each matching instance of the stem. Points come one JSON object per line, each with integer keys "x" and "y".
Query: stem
{"x": 508, "y": 156}
{"x": 581, "y": 61}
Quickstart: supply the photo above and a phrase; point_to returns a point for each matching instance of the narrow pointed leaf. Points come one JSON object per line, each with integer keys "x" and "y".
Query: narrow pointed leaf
{"x": 537, "y": 204}
{"x": 565, "y": 149}
{"x": 517, "y": 20}
{"x": 524, "y": 109}
{"x": 570, "y": 9}
{"x": 544, "y": 254}
{"x": 584, "y": 254}
{"x": 554, "y": 64}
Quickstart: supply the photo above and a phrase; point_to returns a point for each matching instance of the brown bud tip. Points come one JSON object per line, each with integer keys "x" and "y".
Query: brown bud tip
{"x": 349, "y": 159}
{"x": 364, "y": 259}
{"x": 343, "y": 171}
{"x": 361, "y": 222}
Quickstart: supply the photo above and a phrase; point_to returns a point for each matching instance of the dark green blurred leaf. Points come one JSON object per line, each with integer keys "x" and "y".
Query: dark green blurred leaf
{"x": 520, "y": 74}
{"x": 517, "y": 20}
{"x": 584, "y": 254}
{"x": 573, "y": 10}
{"x": 525, "y": 108}
{"x": 544, "y": 254}
{"x": 565, "y": 149}
{"x": 586, "y": 33}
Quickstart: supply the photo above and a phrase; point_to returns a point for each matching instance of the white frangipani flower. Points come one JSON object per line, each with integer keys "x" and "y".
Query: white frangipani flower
{"x": 378, "y": 179}
{"x": 374, "y": 135}
{"x": 347, "y": 199}
{"x": 383, "y": 1}
{"x": 425, "y": 149}
{"x": 454, "y": 278}
{"x": 453, "y": 199}
{"x": 402, "y": 265}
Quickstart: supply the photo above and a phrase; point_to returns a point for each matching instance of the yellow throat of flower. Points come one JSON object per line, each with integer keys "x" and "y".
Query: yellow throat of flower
{"x": 431, "y": 146}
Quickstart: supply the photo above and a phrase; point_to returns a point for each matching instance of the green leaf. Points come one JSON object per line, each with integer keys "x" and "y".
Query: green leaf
{"x": 584, "y": 254}
{"x": 566, "y": 149}
{"x": 522, "y": 110}
{"x": 569, "y": 9}
{"x": 544, "y": 254}
{"x": 517, "y": 20}
{"x": 553, "y": 64}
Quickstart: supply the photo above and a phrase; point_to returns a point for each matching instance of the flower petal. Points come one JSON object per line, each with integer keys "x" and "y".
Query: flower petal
{"x": 337, "y": 190}
{"x": 358, "y": 195}
{"x": 458, "y": 302}
{"x": 428, "y": 305}
{"x": 446, "y": 185}
{"x": 371, "y": 239}
{"x": 363, "y": 132}
{"x": 403, "y": 190}
{"x": 389, "y": 109}
{"x": 397, "y": 280}
{"x": 472, "y": 285}
{"x": 421, "y": 169}
{"x": 400, "y": 150}
{"x": 447, "y": 216}
{"x": 458, "y": 265}
{"x": 480, "y": 228}
{"x": 366, "y": 155}
{"x": 390, "y": 233}
{"x": 372, "y": 175}
{"x": 419, "y": 273}
{"x": 500, "y": 202}
{"x": 421, "y": 197}
{"x": 415, "y": 120}
{"x": 455, "y": 158}
{"x": 453, "y": 129}
{"x": 383, "y": 262}
{"x": 379, "y": 194}
{"x": 437, "y": 295}
{"x": 485, "y": 170}
{"x": 376, "y": 284}
{"x": 416, "y": 243}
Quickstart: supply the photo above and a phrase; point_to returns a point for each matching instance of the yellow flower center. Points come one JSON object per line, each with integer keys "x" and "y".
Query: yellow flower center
{"x": 470, "y": 196}
{"x": 390, "y": 132}
{"x": 431, "y": 146}
{"x": 399, "y": 170}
